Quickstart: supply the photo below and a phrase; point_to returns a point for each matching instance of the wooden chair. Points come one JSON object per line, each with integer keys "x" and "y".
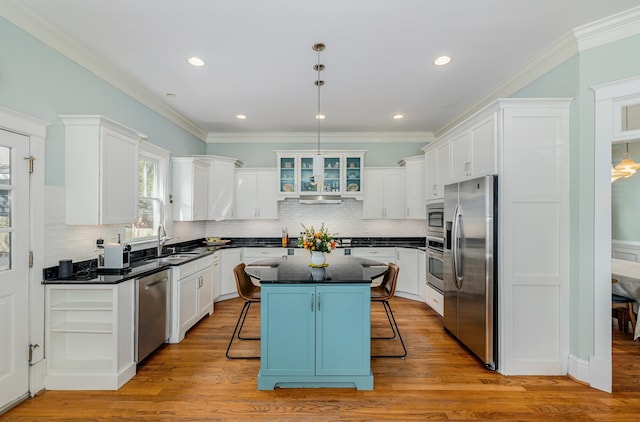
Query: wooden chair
{"x": 383, "y": 293}
{"x": 623, "y": 307}
{"x": 249, "y": 293}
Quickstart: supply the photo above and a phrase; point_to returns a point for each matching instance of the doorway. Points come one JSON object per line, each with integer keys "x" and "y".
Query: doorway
{"x": 612, "y": 100}
{"x": 21, "y": 257}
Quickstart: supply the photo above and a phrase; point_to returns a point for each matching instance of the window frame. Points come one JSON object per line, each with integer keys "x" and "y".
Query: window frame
{"x": 162, "y": 157}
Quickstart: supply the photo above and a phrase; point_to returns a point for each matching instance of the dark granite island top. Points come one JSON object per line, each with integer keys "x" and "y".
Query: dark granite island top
{"x": 297, "y": 270}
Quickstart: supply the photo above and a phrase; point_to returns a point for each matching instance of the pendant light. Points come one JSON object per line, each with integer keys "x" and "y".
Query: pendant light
{"x": 318, "y": 159}
{"x": 626, "y": 168}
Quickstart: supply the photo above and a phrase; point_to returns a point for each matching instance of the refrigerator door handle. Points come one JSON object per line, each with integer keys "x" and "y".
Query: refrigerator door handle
{"x": 457, "y": 218}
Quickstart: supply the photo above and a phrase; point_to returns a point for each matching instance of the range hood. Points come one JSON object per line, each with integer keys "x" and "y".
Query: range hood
{"x": 320, "y": 199}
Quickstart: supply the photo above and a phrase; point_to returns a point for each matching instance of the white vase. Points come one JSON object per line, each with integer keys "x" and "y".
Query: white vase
{"x": 317, "y": 258}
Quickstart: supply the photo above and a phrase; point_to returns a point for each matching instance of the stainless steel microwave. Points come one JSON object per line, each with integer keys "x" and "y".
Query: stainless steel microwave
{"x": 435, "y": 219}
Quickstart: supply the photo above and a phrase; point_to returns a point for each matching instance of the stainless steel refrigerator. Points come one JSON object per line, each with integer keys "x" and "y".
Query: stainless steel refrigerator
{"x": 470, "y": 265}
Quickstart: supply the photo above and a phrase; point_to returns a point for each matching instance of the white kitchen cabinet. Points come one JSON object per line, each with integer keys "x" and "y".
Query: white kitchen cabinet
{"x": 435, "y": 300}
{"x": 473, "y": 150}
{"x": 190, "y": 188}
{"x": 222, "y": 172}
{"x": 384, "y": 196}
{"x": 216, "y": 282}
{"x": 422, "y": 275}
{"x": 256, "y": 194}
{"x": 250, "y": 255}
{"x": 101, "y": 171}
{"x": 408, "y": 278}
{"x": 229, "y": 258}
{"x": 191, "y": 295}
{"x": 342, "y": 173}
{"x": 415, "y": 188}
{"x": 90, "y": 336}
{"x": 437, "y": 169}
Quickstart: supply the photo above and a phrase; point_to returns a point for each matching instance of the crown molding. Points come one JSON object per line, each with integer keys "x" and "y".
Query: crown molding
{"x": 24, "y": 18}
{"x": 601, "y": 32}
{"x": 607, "y": 30}
{"x": 312, "y": 138}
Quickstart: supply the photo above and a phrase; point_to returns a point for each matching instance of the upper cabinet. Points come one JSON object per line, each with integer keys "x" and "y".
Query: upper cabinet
{"x": 384, "y": 197}
{"x": 256, "y": 194}
{"x": 221, "y": 188}
{"x": 101, "y": 171}
{"x": 341, "y": 174}
{"x": 473, "y": 150}
{"x": 437, "y": 169}
{"x": 190, "y": 188}
{"x": 414, "y": 187}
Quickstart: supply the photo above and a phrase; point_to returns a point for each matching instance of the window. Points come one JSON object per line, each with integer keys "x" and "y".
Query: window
{"x": 152, "y": 192}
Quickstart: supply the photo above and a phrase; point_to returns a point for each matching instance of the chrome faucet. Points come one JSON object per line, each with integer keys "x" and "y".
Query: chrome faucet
{"x": 161, "y": 238}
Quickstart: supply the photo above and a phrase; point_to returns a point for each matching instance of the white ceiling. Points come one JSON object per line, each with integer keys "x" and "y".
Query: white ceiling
{"x": 259, "y": 60}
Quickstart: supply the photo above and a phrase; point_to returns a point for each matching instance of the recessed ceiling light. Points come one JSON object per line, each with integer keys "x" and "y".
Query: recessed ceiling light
{"x": 398, "y": 116}
{"x": 442, "y": 60}
{"x": 320, "y": 116}
{"x": 196, "y": 61}
{"x": 241, "y": 116}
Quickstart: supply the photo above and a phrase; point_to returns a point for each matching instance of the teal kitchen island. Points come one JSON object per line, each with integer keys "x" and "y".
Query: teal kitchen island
{"x": 315, "y": 323}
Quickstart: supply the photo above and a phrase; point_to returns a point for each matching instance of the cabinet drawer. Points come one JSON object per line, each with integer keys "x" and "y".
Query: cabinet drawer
{"x": 435, "y": 300}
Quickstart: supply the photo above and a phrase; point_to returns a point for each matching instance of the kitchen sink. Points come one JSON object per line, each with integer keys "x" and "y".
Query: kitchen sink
{"x": 175, "y": 258}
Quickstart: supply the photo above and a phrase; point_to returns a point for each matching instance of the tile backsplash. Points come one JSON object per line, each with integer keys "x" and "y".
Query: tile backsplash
{"x": 344, "y": 219}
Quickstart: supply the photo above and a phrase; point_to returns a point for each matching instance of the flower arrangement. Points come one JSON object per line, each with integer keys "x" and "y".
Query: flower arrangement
{"x": 320, "y": 241}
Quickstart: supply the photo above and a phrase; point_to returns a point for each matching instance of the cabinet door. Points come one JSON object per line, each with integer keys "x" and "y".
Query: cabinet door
{"x": 216, "y": 281}
{"x": 483, "y": 148}
{"x": 287, "y": 330}
{"x": 267, "y": 195}
{"x": 188, "y": 301}
{"x": 393, "y": 188}
{"x": 200, "y": 187}
{"x": 415, "y": 190}
{"x": 431, "y": 174}
{"x": 422, "y": 275}
{"x": 353, "y": 176}
{"x": 343, "y": 339}
{"x": 373, "y": 203}
{"x": 443, "y": 168}
{"x": 332, "y": 172}
{"x": 205, "y": 292}
{"x": 460, "y": 157}
{"x": 287, "y": 173}
{"x": 221, "y": 189}
{"x": 119, "y": 196}
{"x": 246, "y": 205}
{"x": 408, "y": 275}
{"x": 228, "y": 259}
{"x": 306, "y": 172}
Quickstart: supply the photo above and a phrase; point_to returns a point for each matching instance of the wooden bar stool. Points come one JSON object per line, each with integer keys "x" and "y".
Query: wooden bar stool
{"x": 623, "y": 307}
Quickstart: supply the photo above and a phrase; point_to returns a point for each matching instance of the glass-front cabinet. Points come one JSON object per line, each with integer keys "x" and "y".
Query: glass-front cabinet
{"x": 307, "y": 182}
{"x": 342, "y": 173}
{"x": 287, "y": 168}
{"x": 353, "y": 177}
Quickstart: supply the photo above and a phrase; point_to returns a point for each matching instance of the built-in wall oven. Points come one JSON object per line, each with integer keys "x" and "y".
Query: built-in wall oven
{"x": 435, "y": 262}
{"x": 435, "y": 219}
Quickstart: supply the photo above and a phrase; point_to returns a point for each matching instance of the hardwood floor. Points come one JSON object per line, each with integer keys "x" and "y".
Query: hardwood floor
{"x": 439, "y": 380}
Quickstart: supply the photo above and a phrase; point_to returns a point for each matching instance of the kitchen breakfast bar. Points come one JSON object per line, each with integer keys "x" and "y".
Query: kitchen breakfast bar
{"x": 315, "y": 322}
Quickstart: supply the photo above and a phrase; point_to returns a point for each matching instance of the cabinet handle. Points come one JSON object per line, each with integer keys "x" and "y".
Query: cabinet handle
{"x": 318, "y": 302}
{"x": 407, "y": 211}
{"x": 312, "y": 301}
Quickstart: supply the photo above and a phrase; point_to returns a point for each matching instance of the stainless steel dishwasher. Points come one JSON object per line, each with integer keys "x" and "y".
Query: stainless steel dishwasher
{"x": 152, "y": 313}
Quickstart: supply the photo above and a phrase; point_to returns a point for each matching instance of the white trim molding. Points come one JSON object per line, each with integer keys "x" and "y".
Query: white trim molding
{"x": 312, "y": 138}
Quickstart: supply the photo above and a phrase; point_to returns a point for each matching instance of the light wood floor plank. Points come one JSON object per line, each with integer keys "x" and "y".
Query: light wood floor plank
{"x": 439, "y": 380}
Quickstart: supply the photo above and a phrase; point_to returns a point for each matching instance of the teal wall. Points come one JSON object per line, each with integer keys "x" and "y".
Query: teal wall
{"x": 40, "y": 82}
{"x": 262, "y": 155}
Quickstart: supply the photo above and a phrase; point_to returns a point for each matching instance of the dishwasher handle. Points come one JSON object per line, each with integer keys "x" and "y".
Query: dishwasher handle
{"x": 155, "y": 283}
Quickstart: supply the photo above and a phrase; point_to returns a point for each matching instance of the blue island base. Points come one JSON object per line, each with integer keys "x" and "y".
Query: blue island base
{"x": 360, "y": 382}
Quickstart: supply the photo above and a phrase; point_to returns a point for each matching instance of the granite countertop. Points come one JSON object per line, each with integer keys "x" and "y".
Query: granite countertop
{"x": 144, "y": 262}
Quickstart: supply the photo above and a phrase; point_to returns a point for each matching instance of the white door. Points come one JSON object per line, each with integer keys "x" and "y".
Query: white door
{"x": 14, "y": 272}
